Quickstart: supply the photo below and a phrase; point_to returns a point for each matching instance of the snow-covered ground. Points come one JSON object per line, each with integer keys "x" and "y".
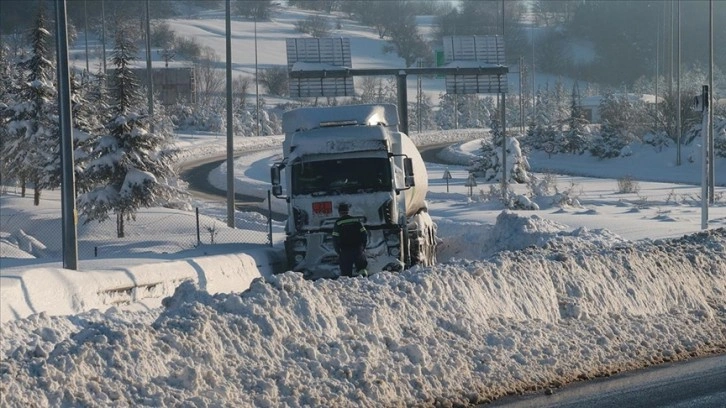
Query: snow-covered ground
{"x": 520, "y": 300}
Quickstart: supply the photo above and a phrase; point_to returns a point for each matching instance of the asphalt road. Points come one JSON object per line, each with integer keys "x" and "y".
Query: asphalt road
{"x": 196, "y": 173}
{"x": 697, "y": 383}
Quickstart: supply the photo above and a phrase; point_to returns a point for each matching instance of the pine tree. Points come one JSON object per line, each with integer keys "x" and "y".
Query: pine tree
{"x": 488, "y": 163}
{"x": 31, "y": 146}
{"x": 421, "y": 115}
{"x": 447, "y": 115}
{"x": 133, "y": 169}
{"x": 617, "y": 115}
{"x": 89, "y": 105}
{"x": 719, "y": 136}
{"x": 575, "y": 136}
{"x": 8, "y": 90}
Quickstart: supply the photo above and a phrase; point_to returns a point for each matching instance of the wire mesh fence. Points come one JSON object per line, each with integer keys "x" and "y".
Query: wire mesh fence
{"x": 29, "y": 231}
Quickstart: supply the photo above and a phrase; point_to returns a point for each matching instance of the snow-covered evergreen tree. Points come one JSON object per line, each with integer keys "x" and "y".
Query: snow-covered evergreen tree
{"x": 421, "y": 116}
{"x": 575, "y": 135}
{"x": 609, "y": 144}
{"x": 719, "y": 136}
{"x": 447, "y": 115}
{"x": 134, "y": 167}
{"x": 8, "y": 90}
{"x": 473, "y": 111}
{"x": 31, "y": 146}
{"x": 488, "y": 163}
{"x": 618, "y": 115}
{"x": 90, "y": 111}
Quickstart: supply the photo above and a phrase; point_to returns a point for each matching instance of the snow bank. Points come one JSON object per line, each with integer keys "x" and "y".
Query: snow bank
{"x": 59, "y": 291}
{"x": 462, "y": 332}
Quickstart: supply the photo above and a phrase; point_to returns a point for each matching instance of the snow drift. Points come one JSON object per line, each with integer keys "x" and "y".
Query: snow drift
{"x": 462, "y": 332}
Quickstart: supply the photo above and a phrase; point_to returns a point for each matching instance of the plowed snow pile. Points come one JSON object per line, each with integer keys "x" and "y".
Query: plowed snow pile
{"x": 539, "y": 306}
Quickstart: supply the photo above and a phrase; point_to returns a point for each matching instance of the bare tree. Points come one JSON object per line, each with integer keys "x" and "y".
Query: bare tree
{"x": 210, "y": 80}
{"x": 240, "y": 88}
{"x": 275, "y": 80}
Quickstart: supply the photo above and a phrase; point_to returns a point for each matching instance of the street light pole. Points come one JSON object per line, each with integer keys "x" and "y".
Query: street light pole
{"x": 678, "y": 83}
{"x": 85, "y": 23}
{"x": 230, "y": 124}
{"x": 68, "y": 184}
{"x": 257, "y": 82}
{"x": 711, "y": 170}
{"x": 103, "y": 34}
{"x": 149, "y": 72}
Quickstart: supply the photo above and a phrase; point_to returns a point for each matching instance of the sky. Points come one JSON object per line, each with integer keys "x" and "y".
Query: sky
{"x": 519, "y": 301}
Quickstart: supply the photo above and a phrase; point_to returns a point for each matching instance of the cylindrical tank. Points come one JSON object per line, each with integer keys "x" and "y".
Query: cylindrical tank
{"x": 416, "y": 195}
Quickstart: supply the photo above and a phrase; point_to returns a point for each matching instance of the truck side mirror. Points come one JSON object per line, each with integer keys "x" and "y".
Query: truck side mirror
{"x": 275, "y": 181}
{"x": 408, "y": 172}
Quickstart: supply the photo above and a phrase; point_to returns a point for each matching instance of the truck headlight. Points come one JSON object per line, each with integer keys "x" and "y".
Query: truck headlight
{"x": 300, "y": 217}
{"x": 385, "y": 212}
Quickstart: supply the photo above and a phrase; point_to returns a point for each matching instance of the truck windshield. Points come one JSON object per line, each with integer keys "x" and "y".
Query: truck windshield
{"x": 341, "y": 176}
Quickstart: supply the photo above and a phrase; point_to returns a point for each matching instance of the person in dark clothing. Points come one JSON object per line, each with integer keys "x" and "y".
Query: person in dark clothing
{"x": 349, "y": 240}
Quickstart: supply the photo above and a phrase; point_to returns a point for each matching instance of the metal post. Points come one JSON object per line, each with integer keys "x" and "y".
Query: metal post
{"x": 521, "y": 105}
{"x": 149, "y": 73}
{"x": 68, "y": 185}
{"x": 419, "y": 97}
{"x": 534, "y": 91}
{"x": 257, "y": 83}
{"x": 678, "y": 83}
{"x": 85, "y": 22}
{"x": 655, "y": 105}
{"x": 504, "y": 146}
{"x": 711, "y": 158}
{"x": 402, "y": 100}
{"x": 103, "y": 34}
{"x": 269, "y": 216}
{"x": 230, "y": 124}
{"x": 199, "y": 239}
{"x": 704, "y": 158}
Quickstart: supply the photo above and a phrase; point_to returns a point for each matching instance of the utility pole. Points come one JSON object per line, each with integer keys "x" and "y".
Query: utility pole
{"x": 419, "y": 96}
{"x": 711, "y": 170}
{"x": 521, "y": 106}
{"x": 678, "y": 84}
{"x": 534, "y": 89}
{"x": 68, "y": 184}
{"x": 706, "y": 112}
{"x": 504, "y": 128}
{"x": 230, "y": 124}
{"x": 103, "y": 34}
{"x": 85, "y": 22}
{"x": 149, "y": 72}
{"x": 257, "y": 82}
{"x": 655, "y": 105}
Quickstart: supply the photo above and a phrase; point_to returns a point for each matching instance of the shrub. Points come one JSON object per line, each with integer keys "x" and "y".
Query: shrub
{"x": 627, "y": 184}
{"x": 316, "y": 26}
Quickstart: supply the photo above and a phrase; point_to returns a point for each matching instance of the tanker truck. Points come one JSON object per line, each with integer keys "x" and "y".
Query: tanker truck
{"x": 355, "y": 155}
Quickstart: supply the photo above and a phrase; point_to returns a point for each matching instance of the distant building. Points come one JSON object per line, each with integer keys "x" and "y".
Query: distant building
{"x": 591, "y": 104}
{"x": 172, "y": 85}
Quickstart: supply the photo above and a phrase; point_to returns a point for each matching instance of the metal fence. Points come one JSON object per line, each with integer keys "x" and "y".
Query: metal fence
{"x": 28, "y": 231}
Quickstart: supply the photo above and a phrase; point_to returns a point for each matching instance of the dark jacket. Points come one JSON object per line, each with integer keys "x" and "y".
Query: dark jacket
{"x": 349, "y": 233}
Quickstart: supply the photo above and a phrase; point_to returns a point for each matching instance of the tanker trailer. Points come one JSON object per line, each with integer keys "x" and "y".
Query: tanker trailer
{"x": 355, "y": 155}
